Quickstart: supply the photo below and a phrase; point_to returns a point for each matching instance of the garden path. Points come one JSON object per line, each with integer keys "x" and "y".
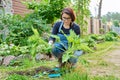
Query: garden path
{"x": 113, "y": 60}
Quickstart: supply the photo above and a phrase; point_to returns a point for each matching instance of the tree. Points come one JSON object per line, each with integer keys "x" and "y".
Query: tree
{"x": 111, "y": 16}
{"x": 116, "y": 23}
{"x": 99, "y": 9}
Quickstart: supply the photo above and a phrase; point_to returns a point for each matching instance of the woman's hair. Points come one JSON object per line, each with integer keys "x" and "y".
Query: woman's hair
{"x": 70, "y": 12}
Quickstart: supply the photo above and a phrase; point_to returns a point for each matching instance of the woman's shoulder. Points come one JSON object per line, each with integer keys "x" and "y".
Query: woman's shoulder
{"x": 75, "y": 25}
{"x": 58, "y": 23}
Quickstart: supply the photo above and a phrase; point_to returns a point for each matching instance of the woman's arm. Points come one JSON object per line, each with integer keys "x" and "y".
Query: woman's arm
{"x": 54, "y": 31}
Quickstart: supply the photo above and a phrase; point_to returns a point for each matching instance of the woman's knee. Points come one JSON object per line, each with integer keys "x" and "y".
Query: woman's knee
{"x": 58, "y": 49}
{"x": 56, "y": 52}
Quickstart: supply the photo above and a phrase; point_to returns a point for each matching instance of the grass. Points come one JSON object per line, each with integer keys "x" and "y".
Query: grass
{"x": 94, "y": 61}
{"x": 82, "y": 72}
{"x": 102, "y": 49}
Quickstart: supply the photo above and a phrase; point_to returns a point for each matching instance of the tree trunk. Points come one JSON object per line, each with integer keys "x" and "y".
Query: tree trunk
{"x": 99, "y": 9}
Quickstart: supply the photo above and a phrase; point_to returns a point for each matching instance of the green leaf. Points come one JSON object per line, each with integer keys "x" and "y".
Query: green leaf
{"x": 65, "y": 57}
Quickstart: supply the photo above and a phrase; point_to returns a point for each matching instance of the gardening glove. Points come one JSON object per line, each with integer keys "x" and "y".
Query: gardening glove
{"x": 50, "y": 42}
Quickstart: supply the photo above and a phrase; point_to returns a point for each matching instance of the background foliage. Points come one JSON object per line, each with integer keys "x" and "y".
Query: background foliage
{"x": 48, "y": 10}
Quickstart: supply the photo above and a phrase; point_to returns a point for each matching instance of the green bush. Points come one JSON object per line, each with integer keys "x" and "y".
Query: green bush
{"x": 111, "y": 36}
{"x": 12, "y": 49}
{"x": 20, "y": 27}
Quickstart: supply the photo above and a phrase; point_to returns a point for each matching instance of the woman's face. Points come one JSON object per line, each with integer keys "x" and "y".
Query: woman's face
{"x": 66, "y": 19}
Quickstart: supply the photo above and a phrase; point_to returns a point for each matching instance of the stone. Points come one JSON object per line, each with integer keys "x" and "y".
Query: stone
{"x": 8, "y": 59}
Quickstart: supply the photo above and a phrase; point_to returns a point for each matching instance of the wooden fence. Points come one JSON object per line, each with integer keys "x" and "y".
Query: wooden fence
{"x": 95, "y": 26}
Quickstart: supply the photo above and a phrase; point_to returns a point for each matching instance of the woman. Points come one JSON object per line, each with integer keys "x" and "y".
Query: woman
{"x": 60, "y": 28}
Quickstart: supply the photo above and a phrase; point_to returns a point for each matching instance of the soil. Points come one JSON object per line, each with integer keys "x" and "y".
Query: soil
{"x": 32, "y": 72}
